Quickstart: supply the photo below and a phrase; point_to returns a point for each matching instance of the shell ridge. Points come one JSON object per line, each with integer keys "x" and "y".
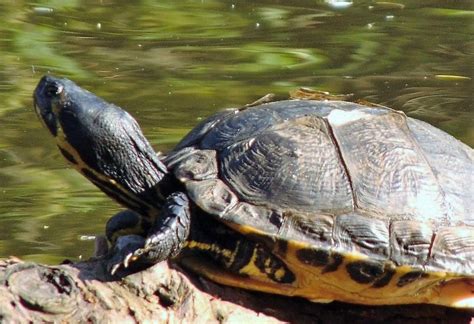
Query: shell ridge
{"x": 343, "y": 163}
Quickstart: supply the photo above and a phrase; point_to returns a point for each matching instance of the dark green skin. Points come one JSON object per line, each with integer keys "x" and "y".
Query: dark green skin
{"x": 109, "y": 141}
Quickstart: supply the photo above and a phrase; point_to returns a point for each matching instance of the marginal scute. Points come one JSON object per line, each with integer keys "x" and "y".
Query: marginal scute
{"x": 453, "y": 249}
{"x": 314, "y": 257}
{"x": 389, "y": 272}
{"x": 410, "y": 242}
{"x": 378, "y": 273}
{"x": 261, "y": 218}
{"x": 328, "y": 260}
{"x": 280, "y": 247}
{"x": 213, "y": 196}
{"x": 194, "y": 164}
{"x": 315, "y": 229}
{"x": 410, "y": 277}
{"x": 354, "y": 232}
{"x": 273, "y": 267}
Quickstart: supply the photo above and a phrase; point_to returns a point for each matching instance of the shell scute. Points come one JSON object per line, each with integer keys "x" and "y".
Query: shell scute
{"x": 212, "y": 196}
{"x": 389, "y": 175}
{"x": 196, "y": 165}
{"x": 371, "y": 272}
{"x": 453, "y": 249}
{"x": 293, "y": 165}
{"x": 410, "y": 242}
{"x": 353, "y": 232}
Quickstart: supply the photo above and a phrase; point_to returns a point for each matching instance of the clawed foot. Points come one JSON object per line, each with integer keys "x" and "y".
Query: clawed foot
{"x": 129, "y": 258}
{"x": 127, "y": 249}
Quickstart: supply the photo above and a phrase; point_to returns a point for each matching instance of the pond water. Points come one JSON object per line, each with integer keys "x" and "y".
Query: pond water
{"x": 171, "y": 63}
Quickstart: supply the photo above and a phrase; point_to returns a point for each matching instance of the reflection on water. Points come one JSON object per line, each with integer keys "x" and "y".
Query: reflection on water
{"x": 173, "y": 63}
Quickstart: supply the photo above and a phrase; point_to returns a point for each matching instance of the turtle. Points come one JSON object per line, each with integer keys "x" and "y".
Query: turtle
{"x": 327, "y": 200}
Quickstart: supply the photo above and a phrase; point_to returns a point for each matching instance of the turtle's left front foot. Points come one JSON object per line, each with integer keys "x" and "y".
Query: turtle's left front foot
{"x": 127, "y": 249}
{"x": 165, "y": 239}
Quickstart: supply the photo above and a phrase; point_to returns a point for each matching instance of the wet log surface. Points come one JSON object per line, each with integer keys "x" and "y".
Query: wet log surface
{"x": 165, "y": 293}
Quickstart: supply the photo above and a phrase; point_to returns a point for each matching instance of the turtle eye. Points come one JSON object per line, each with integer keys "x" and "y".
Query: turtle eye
{"x": 53, "y": 89}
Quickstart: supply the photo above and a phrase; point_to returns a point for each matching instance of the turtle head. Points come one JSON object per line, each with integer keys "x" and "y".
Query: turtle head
{"x": 103, "y": 142}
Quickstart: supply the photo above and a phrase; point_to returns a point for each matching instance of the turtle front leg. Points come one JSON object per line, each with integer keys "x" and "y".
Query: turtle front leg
{"x": 124, "y": 223}
{"x": 164, "y": 240}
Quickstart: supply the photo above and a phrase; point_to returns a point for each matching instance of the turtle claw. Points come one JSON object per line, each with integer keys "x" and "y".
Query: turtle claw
{"x": 126, "y": 260}
{"x": 123, "y": 264}
{"x": 114, "y": 268}
{"x": 127, "y": 250}
{"x": 131, "y": 257}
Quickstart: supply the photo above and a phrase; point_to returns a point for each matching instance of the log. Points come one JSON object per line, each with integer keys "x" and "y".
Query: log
{"x": 167, "y": 293}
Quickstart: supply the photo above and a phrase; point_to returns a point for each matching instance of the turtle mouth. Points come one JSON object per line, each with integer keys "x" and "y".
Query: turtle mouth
{"x": 46, "y": 95}
{"x": 47, "y": 117}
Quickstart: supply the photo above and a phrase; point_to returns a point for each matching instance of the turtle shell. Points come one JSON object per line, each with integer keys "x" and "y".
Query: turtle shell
{"x": 363, "y": 204}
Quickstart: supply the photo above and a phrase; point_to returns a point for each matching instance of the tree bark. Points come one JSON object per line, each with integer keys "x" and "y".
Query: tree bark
{"x": 165, "y": 293}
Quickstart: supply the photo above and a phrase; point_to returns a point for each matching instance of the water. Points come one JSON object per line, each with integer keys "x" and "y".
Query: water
{"x": 171, "y": 63}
